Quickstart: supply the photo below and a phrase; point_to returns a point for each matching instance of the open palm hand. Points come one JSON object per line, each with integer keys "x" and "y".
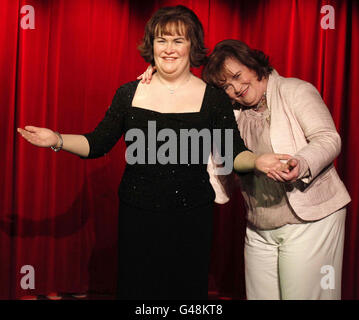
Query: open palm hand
{"x": 40, "y": 137}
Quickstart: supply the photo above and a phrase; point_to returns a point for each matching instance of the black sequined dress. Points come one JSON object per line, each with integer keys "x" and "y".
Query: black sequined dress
{"x": 165, "y": 216}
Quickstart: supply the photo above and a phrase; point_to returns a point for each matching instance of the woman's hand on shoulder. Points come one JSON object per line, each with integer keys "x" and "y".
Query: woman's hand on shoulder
{"x": 146, "y": 77}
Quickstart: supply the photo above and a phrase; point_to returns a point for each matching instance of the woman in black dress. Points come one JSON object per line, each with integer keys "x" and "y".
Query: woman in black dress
{"x": 166, "y": 201}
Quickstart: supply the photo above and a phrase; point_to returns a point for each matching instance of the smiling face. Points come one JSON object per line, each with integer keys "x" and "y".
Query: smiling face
{"x": 241, "y": 83}
{"x": 171, "y": 50}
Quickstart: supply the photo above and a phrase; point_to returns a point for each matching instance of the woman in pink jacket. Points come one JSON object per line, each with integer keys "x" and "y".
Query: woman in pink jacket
{"x": 295, "y": 230}
{"x": 295, "y": 225}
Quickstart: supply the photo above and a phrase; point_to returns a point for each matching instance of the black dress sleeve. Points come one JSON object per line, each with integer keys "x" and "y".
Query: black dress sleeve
{"x": 110, "y": 129}
{"x": 223, "y": 118}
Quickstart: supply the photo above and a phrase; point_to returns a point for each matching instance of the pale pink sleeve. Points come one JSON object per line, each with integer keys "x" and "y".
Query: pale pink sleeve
{"x": 222, "y": 184}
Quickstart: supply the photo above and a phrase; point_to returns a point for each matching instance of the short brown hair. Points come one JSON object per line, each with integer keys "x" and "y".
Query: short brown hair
{"x": 214, "y": 71}
{"x": 175, "y": 18}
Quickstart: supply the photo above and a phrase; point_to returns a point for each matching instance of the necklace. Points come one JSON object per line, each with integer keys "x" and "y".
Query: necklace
{"x": 262, "y": 103}
{"x": 172, "y": 90}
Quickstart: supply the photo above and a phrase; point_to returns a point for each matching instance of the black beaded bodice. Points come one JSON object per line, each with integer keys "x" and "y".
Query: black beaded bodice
{"x": 172, "y": 186}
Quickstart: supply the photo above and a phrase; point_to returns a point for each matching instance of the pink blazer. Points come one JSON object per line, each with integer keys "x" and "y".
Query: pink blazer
{"x": 301, "y": 125}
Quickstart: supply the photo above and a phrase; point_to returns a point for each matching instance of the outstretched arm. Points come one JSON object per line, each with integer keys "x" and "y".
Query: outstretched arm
{"x": 89, "y": 145}
{"x": 46, "y": 138}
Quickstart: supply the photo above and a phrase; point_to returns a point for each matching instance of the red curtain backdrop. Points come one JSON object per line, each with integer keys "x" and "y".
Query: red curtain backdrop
{"x": 58, "y": 213}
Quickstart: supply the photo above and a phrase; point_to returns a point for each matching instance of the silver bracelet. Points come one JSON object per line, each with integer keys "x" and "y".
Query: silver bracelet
{"x": 57, "y": 149}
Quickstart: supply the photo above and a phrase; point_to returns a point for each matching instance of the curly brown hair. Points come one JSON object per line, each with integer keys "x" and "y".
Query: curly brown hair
{"x": 215, "y": 73}
{"x": 175, "y": 20}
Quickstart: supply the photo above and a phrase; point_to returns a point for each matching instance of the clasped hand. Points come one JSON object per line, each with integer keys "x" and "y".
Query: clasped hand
{"x": 274, "y": 167}
{"x": 289, "y": 172}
